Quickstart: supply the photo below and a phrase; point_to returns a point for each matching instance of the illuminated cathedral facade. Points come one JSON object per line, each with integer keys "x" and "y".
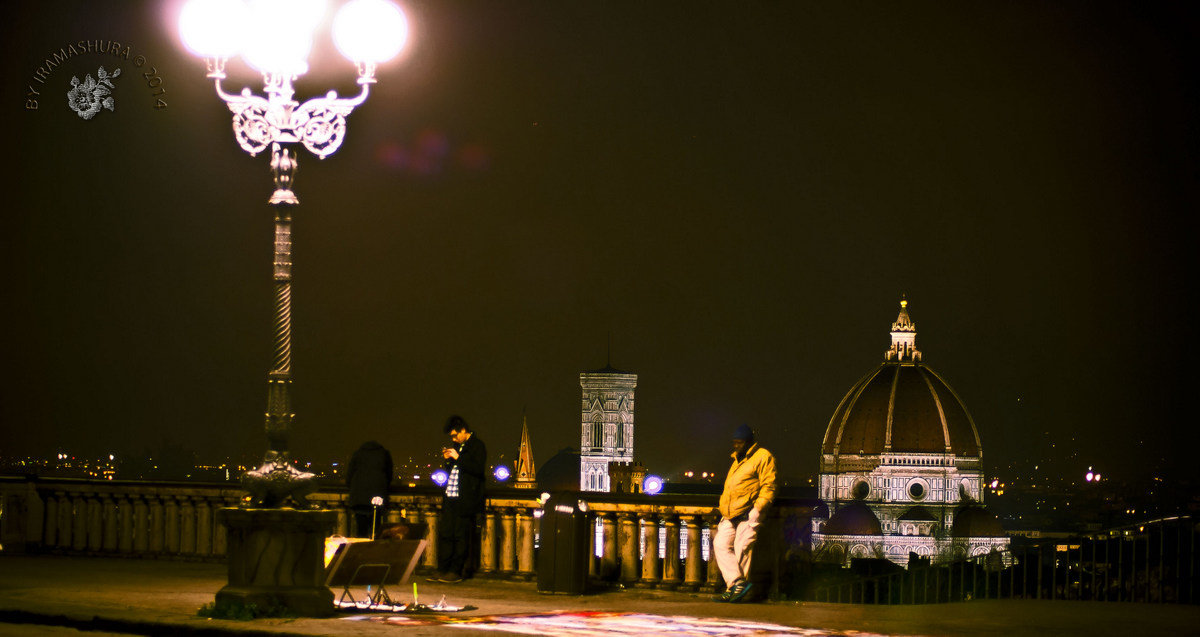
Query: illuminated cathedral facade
{"x": 901, "y": 467}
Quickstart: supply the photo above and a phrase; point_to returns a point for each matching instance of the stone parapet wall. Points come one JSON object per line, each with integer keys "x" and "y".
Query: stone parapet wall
{"x": 178, "y": 521}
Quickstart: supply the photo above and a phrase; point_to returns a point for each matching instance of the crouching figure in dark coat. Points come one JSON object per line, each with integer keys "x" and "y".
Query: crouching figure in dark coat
{"x": 369, "y": 476}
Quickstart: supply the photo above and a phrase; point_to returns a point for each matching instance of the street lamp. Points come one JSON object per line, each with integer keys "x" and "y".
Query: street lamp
{"x": 275, "y": 37}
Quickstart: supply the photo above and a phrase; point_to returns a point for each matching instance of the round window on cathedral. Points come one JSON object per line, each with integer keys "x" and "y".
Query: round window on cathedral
{"x": 861, "y": 490}
{"x": 916, "y": 490}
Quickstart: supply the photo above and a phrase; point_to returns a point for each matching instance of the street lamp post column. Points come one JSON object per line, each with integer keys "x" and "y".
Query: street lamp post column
{"x": 366, "y": 32}
{"x": 277, "y": 478}
{"x": 276, "y": 551}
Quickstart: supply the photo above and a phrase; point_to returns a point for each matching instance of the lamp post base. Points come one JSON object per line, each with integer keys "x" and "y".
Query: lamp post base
{"x": 276, "y": 559}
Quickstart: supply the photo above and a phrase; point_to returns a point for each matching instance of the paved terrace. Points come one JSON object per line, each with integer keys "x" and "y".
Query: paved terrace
{"x": 57, "y": 595}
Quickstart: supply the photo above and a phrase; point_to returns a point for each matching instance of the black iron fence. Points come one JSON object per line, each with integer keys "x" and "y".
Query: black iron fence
{"x": 1152, "y": 562}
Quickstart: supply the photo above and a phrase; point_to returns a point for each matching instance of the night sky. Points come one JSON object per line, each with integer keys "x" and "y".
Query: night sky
{"x": 736, "y": 194}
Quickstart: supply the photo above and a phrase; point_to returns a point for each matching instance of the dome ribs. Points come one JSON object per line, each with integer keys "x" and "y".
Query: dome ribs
{"x": 843, "y": 411}
{"x": 861, "y": 430}
{"x": 887, "y": 443}
{"x": 917, "y": 423}
{"x": 937, "y": 401}
{"x": 960, "y": 423}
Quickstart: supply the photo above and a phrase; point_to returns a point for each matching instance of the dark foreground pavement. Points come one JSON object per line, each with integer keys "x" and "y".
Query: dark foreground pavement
{"x": 65, "y": 595}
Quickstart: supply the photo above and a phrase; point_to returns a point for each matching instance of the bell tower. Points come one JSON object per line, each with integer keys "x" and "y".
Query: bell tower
{"x": 606, "y": 425}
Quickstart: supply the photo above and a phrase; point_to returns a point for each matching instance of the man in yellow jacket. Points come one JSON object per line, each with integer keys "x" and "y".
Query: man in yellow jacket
{"x": 749, "y": 490}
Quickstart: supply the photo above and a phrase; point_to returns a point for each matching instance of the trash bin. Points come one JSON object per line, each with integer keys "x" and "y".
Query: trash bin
{"x": 562, "y": 561}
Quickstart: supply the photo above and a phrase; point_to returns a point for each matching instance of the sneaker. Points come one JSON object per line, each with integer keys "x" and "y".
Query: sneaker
{"x": 726, "y": 596}
{"x": 451, "y": 578}
{"x": 436, "y": 576}
{"x": 740, "y": 592}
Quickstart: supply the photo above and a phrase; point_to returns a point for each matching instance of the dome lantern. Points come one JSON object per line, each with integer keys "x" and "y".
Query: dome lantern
{"x": 904, "y": 337}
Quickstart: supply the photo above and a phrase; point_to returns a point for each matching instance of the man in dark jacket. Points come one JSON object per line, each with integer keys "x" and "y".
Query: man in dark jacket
{"x": 463, "y": 501}
{"x": 369, "y": 476}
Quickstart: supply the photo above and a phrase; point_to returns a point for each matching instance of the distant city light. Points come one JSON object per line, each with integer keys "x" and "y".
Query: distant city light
{"x": 652, "y": 485}
{"x": 502, "y": 473}
{"x": 440, "y": 477}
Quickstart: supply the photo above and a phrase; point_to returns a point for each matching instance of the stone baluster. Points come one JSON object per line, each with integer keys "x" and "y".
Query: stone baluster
{"x": 487, "y": 545}
{"x": 713, "y": 581}
{"x": 508, "y": 542}
{"x": 204, "y": 527}
{"x": 671, "y": 566}
{"x": 220, "y": 535}
{"x": 112, "y": 519}
{"x": 141, "y": 524}
{"x": 79, "y": 519}
{"x": 66, "y": 516}
{"x": 187, "y": 526}
{"x": 343, "y": 520}
{"x": 609, "y": 556}
{"x": 171, "y": 524}
{"x": 157, "y": 524}
{"x": 50, "y": 520}
{"x": 651, "y": 575}
{"x": 525, "y": 568}
{"x": 95, "y": 523}
{"x": 125, "y": 530}
{"x": 629, "y": 547}
{"x": 430, "y": 513}
{"x": 694, "y": 568}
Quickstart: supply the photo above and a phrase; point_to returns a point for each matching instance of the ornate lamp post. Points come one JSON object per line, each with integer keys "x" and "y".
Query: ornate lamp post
{"x": 366, "y": 32}
{"x": 276, "y": 552}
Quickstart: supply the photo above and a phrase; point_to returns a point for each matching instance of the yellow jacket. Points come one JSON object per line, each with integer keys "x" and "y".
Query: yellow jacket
{"x": 750, "y": 483}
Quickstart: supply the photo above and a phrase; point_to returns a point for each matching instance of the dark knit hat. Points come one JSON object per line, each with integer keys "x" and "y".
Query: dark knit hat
{"x": 743, "y": 432}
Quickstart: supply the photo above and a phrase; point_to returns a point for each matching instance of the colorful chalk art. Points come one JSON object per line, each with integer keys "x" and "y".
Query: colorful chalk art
{"x": 587, "y": 623}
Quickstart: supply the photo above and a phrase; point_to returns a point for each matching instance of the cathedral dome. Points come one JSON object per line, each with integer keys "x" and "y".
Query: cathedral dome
{"x": 855, "y": 518}
{"x": 973, "y": 520}
{"x": 902, "y": 406}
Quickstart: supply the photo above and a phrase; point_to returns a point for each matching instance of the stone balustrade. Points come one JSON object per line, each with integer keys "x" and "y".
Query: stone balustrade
{"x": 635, "y": 540}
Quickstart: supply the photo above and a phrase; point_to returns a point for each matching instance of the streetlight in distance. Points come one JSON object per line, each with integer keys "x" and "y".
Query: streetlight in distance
{"x": 275, "y": 38}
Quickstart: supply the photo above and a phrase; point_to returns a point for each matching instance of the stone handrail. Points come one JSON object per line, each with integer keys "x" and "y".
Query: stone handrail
{"x": 177, "y": 520}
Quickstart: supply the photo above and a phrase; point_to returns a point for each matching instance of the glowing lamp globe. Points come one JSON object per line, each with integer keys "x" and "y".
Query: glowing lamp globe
{"x": 440, "y": 477}
{"x": 282, "y": 47}
{"x": 652, "y": 485}
{"x": 370, "y": 31}
{"x": 279, "y": 53}
{"x": 212, "y": 28}
{"x": 502, "y": 473}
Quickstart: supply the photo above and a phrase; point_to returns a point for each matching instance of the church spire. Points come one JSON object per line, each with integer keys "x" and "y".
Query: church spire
{"x": 525, "y": 470}
{"x": 904, "y": 337}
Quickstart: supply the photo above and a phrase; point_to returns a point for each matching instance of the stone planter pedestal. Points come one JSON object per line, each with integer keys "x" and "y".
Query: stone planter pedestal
{"x": 276, "y": 558}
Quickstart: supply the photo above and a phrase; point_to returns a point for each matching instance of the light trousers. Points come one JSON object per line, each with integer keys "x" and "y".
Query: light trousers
{"x": 733, "y": 547}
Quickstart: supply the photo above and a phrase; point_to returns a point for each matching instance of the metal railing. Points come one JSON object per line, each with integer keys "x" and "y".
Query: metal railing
{"x": 1152, "y": 562}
